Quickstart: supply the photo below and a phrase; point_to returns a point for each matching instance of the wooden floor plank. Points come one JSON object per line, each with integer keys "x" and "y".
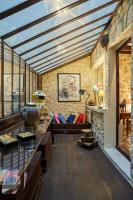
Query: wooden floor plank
{"x": 78, "y": 174}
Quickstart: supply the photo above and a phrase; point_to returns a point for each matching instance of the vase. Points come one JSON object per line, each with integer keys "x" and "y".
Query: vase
{"x": 31, "y": 115}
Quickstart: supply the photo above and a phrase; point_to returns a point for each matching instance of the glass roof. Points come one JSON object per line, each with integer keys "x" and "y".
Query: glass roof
{"x": 53, "y": 35}
{"x": 63, "y": 41}
{"x": 42, "y": 31}
{"x": 5, "y": 5}
{"x": 65, "y": 53}
{"x": 69, "y": 58}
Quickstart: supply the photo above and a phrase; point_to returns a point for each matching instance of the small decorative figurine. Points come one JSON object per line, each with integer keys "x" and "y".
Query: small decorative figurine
{"x": 123, "y": 106}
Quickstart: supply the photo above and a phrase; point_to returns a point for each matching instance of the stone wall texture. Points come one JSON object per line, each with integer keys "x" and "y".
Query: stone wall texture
{"x": 98, "y": 127}
{"x": 49, "y": 84}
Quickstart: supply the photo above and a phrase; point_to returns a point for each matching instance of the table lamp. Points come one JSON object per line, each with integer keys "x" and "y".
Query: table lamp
{"x": 100, "y": 97}
{"x": 95, "y": 90}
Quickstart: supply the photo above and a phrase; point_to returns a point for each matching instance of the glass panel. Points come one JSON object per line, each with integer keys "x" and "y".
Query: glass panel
{"x": 16, "y": 94}
{"x": 14, "y": 40}
{"x": 22, "y": 84}
{"x": 45, "y": 47}
{"x": 78, "y": 54}
{"x": 60, "y": 63}
{"x": 5, "y": 5}
{"x": 26, "y": 16}
{"x": 62, "y": 49}
{"x": 69, "y": 53}
{"x": 42, "y": 39}
{"x": 27, "y": 84}
{"x": 34, "y": 82}
{"x": 7, "y": 81}
{"x": 31, "y": 86}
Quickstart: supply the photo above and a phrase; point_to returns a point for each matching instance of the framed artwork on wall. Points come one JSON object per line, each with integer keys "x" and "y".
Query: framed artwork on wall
{"x": 69, "y": 85}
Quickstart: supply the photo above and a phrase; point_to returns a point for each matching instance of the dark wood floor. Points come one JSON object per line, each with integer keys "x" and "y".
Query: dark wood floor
{"x": 78, "y": 174}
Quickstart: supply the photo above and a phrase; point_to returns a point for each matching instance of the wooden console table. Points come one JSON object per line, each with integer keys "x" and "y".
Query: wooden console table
{"x": 30, "y": 158}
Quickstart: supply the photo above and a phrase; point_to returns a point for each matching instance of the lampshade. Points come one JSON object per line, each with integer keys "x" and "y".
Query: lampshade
{"x": 95, "y": 88}
{"x": 101, "y": 93}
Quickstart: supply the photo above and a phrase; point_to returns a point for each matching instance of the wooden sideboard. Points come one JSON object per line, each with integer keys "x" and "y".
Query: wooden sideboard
{"x": 31, "y": 158}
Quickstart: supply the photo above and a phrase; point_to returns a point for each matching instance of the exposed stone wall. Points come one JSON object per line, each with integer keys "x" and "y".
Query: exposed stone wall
{"x": 49, "y": 84}
{"x": 98, "y": 127}
{"x": 122, "y": 20}
{"x": 125, "y": 77}
{"x": 119, "y": 23}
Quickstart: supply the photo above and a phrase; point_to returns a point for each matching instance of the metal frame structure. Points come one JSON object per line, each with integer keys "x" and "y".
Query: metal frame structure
{"x": 28, "y": 4}
{"x": 12, "y": 73}
{"x": 60, "y": 59}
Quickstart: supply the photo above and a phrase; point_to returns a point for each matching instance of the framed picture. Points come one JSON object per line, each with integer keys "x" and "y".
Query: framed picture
{"x": 69, "y": 85}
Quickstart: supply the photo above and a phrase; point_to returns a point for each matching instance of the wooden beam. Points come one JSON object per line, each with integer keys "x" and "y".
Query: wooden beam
{"x": 42, "y": 19}
{"x": 84, "y": 49}
{"x": 61, "y": 54}
{"x": 64, "y": 24}
{"x": 18, "y": 8}
{"x": 56, "y": 46}
{"x": 47, "y": 42}
{"x": 66, "y": 63}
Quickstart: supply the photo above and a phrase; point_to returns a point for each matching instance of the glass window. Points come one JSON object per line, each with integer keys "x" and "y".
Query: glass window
{"x": 70, "y": 57}
{"x": 22, "y": 84}
{"x": 63, "y": 49}
{"x": 5, "y": 5}
{"x": 26, "y": 16}
{"x": 53, "y": 44}
{"x": 27, "y": 84}
{"x": 16, "y": 85}
{"x": 17, "y": 39}
{"x": 57, "y": 33}
{"x": 34, "y": 81}
{"x": 7, "y": 76}
{"x": 31, "y": 83}
{"x": 99, "y": 77}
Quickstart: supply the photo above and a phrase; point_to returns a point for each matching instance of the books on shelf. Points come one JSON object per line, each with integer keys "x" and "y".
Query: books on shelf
{"x": 7, "y": 139}
{"x": 10, "y": 180}
{"x": 2, "y": 175}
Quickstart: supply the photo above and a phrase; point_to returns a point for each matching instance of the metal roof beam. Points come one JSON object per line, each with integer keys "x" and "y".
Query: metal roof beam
{"x": 18, "y": 8}
{"x": 42, "y": 19}
{"x": 67, "y": 55}
{"x": 74, "y": 59}
{"x": 65, "y": 23}
{"x": 47, "y": 42}
{"x": 47, "y": 50}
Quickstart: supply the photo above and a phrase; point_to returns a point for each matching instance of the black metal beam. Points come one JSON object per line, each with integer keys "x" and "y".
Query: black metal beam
{"x": 44, "y": 18}
{"x": 18, "y": 8}
{"x": 64, "y": 53}
{"x": 67, "y": 55}
{"x": 60, "y": 36}
{"x": 74, "y": 59}
{"x": 80, "y": 27}
{"x": 64, "y": 24}
{"x": 47, "y": 50}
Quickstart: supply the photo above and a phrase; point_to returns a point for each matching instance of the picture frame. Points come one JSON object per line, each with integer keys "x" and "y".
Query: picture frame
{"x": 69, "y": 85}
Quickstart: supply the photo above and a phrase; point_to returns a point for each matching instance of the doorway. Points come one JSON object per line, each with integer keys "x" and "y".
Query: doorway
{"x": 123, "y": 96}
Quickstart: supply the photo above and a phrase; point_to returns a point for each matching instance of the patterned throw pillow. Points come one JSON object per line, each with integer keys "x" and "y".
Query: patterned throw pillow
{"x": 56, "y": 117}
{"x": 62, "y": 118}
